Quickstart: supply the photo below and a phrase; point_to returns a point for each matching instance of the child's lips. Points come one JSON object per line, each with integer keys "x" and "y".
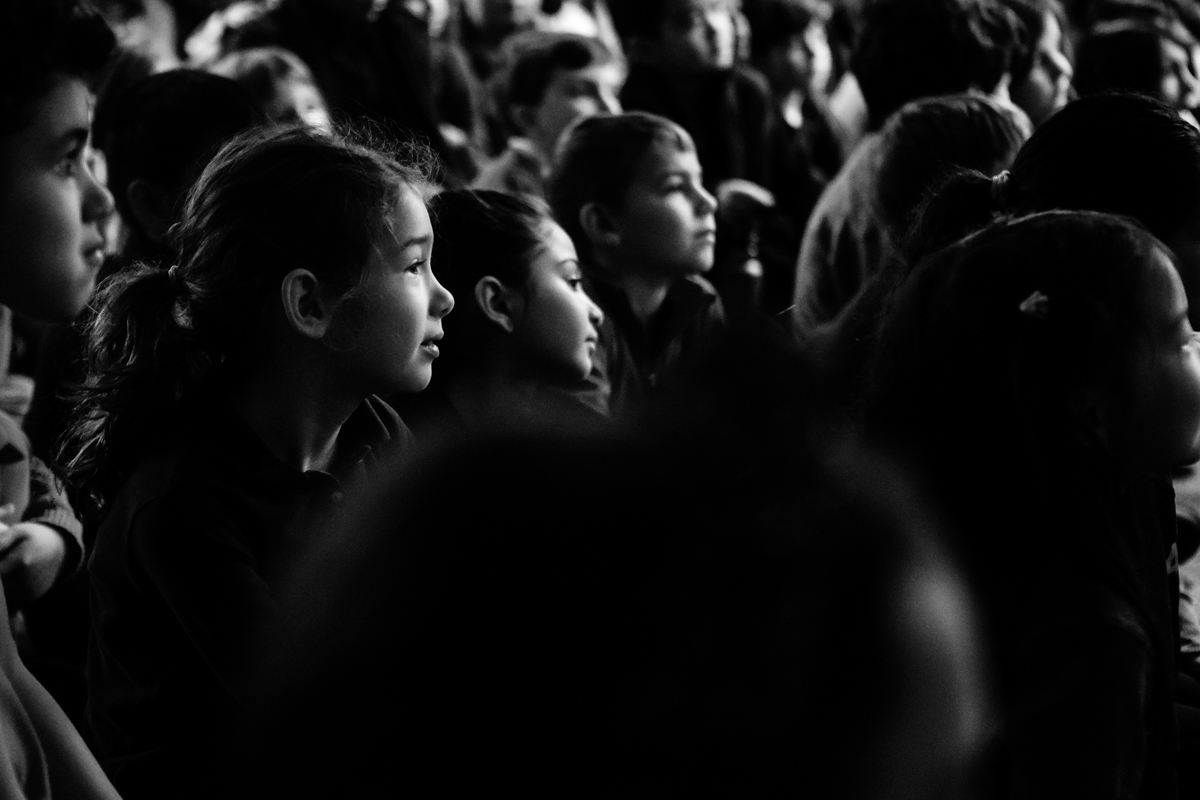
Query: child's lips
{"x": 430, "y": 345}
{"x": 93, "y": 255}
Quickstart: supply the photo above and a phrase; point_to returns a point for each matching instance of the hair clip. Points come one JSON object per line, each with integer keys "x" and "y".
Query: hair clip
{"x": 1037, "y": 305}
{"x": 999, "y": 188}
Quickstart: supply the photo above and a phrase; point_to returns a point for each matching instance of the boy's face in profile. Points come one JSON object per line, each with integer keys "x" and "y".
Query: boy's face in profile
{"x": 51, "y": 208}
{"x": 696, "y": 35}
{"x": 573, "y": 94}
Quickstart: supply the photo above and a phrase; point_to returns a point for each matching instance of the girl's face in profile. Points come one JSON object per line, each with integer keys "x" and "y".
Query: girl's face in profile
{"x": 399, "y": 321}
{"x": 1166, "y": 381}
{"x": 557, "y": 326}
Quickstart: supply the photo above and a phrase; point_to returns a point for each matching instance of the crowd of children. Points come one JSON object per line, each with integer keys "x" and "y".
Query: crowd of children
{"x": 599, "y": 397}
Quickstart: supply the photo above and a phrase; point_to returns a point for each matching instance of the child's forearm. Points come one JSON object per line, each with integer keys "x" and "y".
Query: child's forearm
{"x": 74, "y": 771}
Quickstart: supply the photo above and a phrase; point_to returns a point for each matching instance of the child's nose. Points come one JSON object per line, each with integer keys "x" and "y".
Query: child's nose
{"x": 595, "y": 315}
{"x": 705, "y": 202}
{"x": 97, "y": 199}
{"x": 441, "y": 302}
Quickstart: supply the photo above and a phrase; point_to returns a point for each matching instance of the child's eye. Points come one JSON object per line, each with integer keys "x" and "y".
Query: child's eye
{"x": 416, "y": 266}
{"x": 71, "y": 164}
{"x": 575, "y": 283}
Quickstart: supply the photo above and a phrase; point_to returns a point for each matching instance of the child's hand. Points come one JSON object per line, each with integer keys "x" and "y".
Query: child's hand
{"x": 31, "y": 556}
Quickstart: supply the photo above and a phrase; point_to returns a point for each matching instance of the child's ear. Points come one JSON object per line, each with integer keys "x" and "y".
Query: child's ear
{"x": 306, "y": 307}
{"x": 499, "y": 303}
{"x": 153, "y": 208}
{"x": 598, "y": 224}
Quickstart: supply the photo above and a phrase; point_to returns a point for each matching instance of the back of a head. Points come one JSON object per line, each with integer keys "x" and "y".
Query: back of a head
{"x": 42, "y": 41}
{"x": 480, "y": 234}
{"x": 983, "y": 350}
{"x": 1125, "y": 56}
{"x": 638, "y": 632}
{"x": 164, "y": 129}
{"x": 1120, "y": 154}
{"x": 909, "y": 49}
{"x": 925, "y": 141}
{"x": 597, "y": 161}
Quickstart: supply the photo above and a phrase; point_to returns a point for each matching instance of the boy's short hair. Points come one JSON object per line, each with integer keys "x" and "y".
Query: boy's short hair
{"x": 536, "y": 56}
{"x": 165, "y": 127}
{"x": 597, "y": 162}
{"x": 909, "y": 49}
{"x": 41, "y": 41}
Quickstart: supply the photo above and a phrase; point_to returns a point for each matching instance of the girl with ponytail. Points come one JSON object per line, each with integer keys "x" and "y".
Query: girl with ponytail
{"x": 1042, "y": 375}
{"x": 228, "y": 406}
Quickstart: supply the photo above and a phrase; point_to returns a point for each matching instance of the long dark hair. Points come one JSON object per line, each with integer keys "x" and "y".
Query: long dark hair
{"x": 270, "y": 201}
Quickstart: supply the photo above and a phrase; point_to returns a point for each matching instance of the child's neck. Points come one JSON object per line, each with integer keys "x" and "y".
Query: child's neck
{"x": 294, "y": 413}
{"x": 646, "y": 293}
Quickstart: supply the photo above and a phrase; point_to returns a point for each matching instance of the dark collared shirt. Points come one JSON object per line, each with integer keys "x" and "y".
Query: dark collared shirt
{"x": 184, "y": 581}
{"x": 632, "y": 360}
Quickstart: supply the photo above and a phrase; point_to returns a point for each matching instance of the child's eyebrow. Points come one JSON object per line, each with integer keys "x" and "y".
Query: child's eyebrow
{"x": 416, "y": 240}
{"x": 76, "y": 137}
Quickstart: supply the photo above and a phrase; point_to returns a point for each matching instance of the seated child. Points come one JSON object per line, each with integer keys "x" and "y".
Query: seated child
{"x": 51, "y": 211}
{"x": 629, "y": 191}
{"x": 229, "y": 405}
{"x": 280, "y": 82}
{"x": 158, "y": 134}
{"x": 553, "y": 79}
{"x": 1046, "y": 456}
{"x": 525, "y": 332}
{"x": 860, "y": 224}
{"x": 788, "y": 45}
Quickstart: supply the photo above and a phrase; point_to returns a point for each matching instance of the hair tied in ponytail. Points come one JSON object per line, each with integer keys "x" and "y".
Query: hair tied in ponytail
{"x": 1037, "y": 305}
{"x": 176, "y": 281}
{"x": 179, "y": 310}
{"x": 1000, "y": 189}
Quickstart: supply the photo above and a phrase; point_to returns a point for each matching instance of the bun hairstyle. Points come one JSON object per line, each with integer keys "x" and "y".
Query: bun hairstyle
{"x": 1121, "y": 154}
{"x": 272, "y": 200}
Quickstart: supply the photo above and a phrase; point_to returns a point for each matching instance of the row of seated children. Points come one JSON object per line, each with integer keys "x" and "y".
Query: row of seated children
{"x": 229, "y": 416}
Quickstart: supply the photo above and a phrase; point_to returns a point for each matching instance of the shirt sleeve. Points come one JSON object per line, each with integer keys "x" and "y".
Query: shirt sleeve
{"x": 48, "y": 505}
